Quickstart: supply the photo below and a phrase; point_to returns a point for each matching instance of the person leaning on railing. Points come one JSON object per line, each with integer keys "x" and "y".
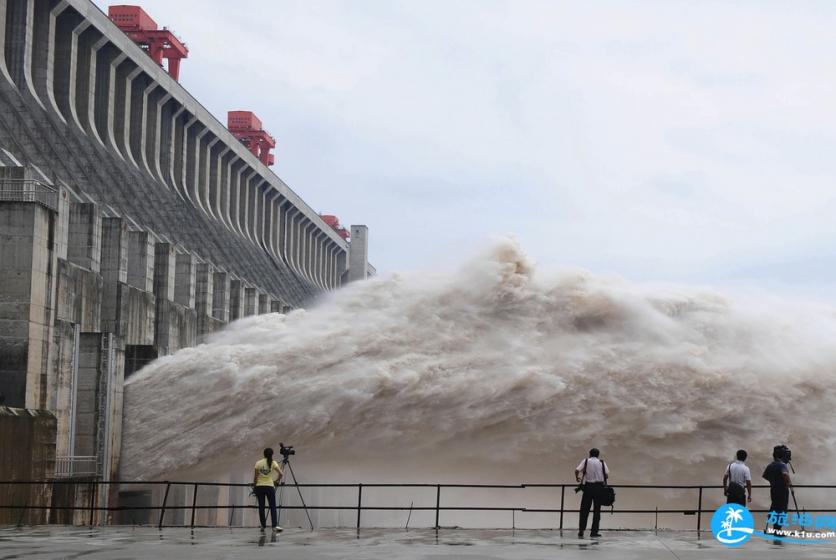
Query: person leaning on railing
{"x": 265, "y": 488}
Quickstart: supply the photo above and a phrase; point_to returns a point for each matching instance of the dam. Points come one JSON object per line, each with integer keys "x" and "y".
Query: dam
{"x": 132, "y": 224}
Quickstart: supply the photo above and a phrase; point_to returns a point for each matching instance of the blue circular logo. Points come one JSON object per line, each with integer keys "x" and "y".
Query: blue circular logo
{"x": 732, "y": 524}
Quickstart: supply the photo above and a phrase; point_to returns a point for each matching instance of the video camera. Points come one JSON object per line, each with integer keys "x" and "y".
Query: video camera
{"x": 286, "y": 451}
{"x": 783, "y": 453}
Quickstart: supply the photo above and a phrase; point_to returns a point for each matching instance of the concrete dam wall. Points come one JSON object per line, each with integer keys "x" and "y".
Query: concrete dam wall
{"x": 90, "y": 108}
{"x": 132, "y": 224}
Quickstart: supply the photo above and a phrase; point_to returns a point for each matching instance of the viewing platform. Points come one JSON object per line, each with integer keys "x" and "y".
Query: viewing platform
{"x": 383, "y": 544}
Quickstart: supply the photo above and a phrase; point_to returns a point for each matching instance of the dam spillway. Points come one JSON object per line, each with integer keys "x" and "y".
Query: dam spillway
{"x": 132, "y": 224}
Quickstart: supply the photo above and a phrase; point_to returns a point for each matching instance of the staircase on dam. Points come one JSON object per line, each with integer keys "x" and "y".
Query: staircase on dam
{"x": 132, "y": 224}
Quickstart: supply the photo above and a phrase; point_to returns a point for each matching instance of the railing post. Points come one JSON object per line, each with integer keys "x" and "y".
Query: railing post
{"x": 92, "y": 485}
{"x": 94, "y": 502}
{"x": 562, "y": 499}
{"x": 194, "y": 503}
{"x": 359, "y": 502}
{"x": 699, "y": 513}
{"x": 437, "y": 503}
{"x": 22, "y": 512}
{"x": 162, "y": 508}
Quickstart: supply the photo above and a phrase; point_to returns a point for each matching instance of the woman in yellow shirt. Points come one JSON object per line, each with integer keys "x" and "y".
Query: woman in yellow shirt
{"x": 266, "y": 488}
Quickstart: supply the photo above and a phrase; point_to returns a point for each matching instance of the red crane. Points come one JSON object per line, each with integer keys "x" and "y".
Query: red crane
{"x": 334, "y": 222}
{"x": 158, "y": 43}
{"x": 247, "y": 128}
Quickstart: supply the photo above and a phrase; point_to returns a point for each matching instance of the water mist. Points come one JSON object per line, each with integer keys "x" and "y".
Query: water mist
{"x": 495, "y": 374}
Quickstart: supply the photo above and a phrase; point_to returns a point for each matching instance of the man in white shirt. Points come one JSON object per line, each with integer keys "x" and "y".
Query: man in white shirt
{"x": 735, "y": 479}
{"x": 592, "y": 474}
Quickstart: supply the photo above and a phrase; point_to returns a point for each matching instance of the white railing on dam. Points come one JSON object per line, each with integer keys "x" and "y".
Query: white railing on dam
{"x": 76, "y": 465}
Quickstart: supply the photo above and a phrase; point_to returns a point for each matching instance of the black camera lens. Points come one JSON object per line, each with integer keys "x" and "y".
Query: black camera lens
{"x": 783, "y": 453}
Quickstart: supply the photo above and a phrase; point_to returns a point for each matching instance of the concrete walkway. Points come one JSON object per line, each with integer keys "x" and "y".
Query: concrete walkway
{"x": 379, "y": 544}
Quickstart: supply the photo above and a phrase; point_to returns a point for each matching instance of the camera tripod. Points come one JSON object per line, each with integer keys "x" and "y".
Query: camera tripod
{"x": 792, "y": 490}
{"x": 286, "y": 462}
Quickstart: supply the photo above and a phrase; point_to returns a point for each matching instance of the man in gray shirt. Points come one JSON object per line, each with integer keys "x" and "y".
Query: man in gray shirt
{"x": 737, "y": 478}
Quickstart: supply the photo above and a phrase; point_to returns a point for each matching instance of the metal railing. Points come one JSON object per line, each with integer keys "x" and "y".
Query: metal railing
{"x": 76, "y": 465}
{"x": 93, "y": 491}
{"x": 28, "y": 190}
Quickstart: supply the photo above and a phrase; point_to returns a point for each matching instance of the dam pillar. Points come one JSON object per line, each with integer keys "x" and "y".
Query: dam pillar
{"x": 26, "y": 277}
{"x": 236, "y": 298}
{"x": 114, "y": 270}
{"x": 263, "y": 303}
{"x": 184, "y": 281}
{"x": 31, "y": 433}
{"x": 141, "y": 260}
{"x": 358, "y": 254}
{"x": 89, "y": 363}
{"x": 220, "y": 296}
{"x": 97, "y": 430}
{"x": 79, "y": 293}
{"x": 79, "y": 282}
{"x": 204, "y": 300}
{"x": 85, "y": 236}
{"x": 184, "y": 316}
{"x": 250, "y": 301}
{"x": 136, "y": 303}
{"x": 165, "y": 263}
{"x": 341, "y": 268}
{"x": 175, "y": 321}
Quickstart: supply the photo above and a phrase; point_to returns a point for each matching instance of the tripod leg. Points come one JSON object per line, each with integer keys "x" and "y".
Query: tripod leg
{"x": 279, "y": 503}
{"x": 795, "y": 502}
{"x": 296, "y": 483}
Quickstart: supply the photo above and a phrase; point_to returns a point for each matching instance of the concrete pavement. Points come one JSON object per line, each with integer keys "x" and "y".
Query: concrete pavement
{"x": 378, "y": 544}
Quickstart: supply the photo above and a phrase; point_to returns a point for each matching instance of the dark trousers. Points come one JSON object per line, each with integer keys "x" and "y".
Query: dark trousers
{"x": 780, "y": 501}
{"x": 268, "y": 492}
{"x": 591, "y": 497}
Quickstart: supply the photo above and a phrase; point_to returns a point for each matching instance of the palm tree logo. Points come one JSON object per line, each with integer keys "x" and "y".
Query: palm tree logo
{"x": 732, "y": 516}
{"x": 732, "y": 524}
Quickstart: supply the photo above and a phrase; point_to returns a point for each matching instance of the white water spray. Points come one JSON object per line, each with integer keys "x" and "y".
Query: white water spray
{"x": 495, "y": 373}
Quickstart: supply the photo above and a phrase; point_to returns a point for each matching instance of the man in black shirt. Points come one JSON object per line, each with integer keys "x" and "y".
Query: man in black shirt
{"x": 778, "y": 476}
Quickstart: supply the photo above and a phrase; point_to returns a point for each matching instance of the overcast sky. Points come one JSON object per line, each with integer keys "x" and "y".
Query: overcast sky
{"x": 666, "y": 141}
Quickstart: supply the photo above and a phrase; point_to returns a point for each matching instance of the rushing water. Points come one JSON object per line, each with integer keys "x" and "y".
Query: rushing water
{"x": 496, "y": 373}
